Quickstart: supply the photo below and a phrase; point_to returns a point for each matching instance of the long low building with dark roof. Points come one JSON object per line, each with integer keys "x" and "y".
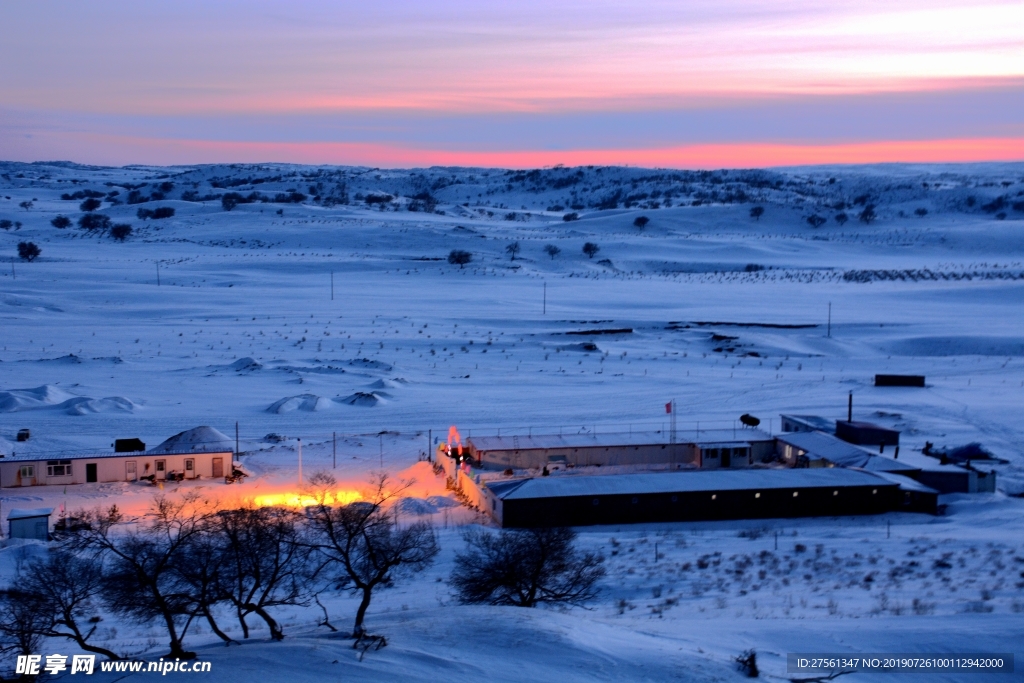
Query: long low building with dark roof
{"x": 581, "y": 500}
{"x": 714, "y": 448}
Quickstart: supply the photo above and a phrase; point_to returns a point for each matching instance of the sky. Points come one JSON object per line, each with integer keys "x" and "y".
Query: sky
{"x": 679, "y": 84}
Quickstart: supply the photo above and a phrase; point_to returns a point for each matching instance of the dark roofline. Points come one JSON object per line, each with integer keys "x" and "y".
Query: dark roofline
{"x": 100, "y": 456}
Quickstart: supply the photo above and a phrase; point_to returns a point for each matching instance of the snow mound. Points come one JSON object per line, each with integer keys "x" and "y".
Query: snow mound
{"x": 305, "y": 402}
{"x": 45, "y": 396}
{"x": 415, "y": 506}
{"x": 586, "y": 347}
{"x": 89, "y": 406}
{"x": 246, "y": 365}
{"x": 49, "y": 396}
{"x": 197, "y": 439}
{"x": 368, "y": 364}
{"x": 386, "y": 383}
{"x": 440, "y": 502}
{"x": 361, "y": 398}
{"x": 424, "y": 506}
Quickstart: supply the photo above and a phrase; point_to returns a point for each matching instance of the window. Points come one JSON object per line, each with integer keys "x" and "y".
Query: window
{"x": 161, "y": 465}
{"x": 712, "y": 453}
{"x": 58, "y": 468}
{"x": 190, "y": 465}
{"x": 28, "y": 471}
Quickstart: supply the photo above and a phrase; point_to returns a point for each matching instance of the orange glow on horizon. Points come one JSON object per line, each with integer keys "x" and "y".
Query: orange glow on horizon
{"x": 105, "y": 149}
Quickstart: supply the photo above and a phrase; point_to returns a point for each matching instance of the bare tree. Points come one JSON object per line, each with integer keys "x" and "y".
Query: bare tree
{"x": 65, "y": 588}
{"x": 22, "y": 620}
{"x": 552, "y": 251}
{"x": 367, "y": 548}
{"x": 524, "y": 567}
{"x": 641, "y": 222}
{"x": 590, "y": 249}
{"x": 264, "y": 562}
{"x": 141, "y": 580}
{"x": 459, "y": 257}
{"x": 513, "y": 249}
{"x": 121, "y": 231}
{"x": 756, "y": 212}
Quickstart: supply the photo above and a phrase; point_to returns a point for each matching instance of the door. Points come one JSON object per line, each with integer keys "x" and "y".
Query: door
{"x": 218, "y": 467}
{"x": 726, "y": 457}
{"x": 90, "y": 472}
{"x": 190, "y": 468}
{"x": 129, "y": 471}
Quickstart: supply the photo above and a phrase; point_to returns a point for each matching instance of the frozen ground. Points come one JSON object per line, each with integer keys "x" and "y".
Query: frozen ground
{"x": 242, "y": 328}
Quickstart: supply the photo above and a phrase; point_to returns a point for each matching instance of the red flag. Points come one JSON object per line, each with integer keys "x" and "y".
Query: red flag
{"x": 668, "y": 407}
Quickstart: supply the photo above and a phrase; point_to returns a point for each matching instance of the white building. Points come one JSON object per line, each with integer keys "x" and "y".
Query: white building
{"x": 37, "y": 470}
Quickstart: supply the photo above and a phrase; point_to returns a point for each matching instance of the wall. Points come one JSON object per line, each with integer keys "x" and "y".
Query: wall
{"x": 652, "y": 454}
{"x": 692, "y": 506}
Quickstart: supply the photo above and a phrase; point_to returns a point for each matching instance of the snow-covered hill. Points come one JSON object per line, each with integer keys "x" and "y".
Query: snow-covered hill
{"x": 324, "y": 307}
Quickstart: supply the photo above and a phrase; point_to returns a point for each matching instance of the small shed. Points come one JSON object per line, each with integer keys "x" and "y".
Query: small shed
{"x": 866, "y": 434}
{"x": 33, "y": 524}
{"x": 899, "y": 380}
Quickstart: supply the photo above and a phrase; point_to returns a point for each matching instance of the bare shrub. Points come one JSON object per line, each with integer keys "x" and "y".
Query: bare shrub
{"x": 525, "y": 567}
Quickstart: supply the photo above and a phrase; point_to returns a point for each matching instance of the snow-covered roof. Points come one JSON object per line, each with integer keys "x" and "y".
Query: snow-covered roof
{"x": 839, "y": 452}
{"x": 906, "y": 483}
{"x": 26, "y": 513}
{"x": 813, "y": 422}
{"x": 671, "y": 482}
{"x": 612, "y": 440}
{"x": 135, "y": 455}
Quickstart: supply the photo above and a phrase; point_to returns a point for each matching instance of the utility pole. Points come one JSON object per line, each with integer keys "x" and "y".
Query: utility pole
{"x": 829, "y": 319}
{"x": 300, "y": 464}
{"x": 849, "y": 408}
{"x": 332, "y": 285}
{"x": 545, "y": 293}
{"x": 334, "y": 435}
{"x": 13, "y": 274}
{"x": 157, "y": 273}
{"x": 380, "y": 439}
{"x": 236, "y": 438}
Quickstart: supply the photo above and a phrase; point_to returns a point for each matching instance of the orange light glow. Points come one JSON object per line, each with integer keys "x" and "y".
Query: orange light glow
{"x": 453, "y": 435}
{"x": 294, "y": 499}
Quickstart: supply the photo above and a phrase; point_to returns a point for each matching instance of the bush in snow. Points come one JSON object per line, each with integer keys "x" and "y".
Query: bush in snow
{"x": 524, "y": 567}
{"x": 756, "y": 212}
{"x": 641, "y": 222}
{"x": 459, "y": 257}
{"x": 94, "y": 221}
{"x": 121, "y": 232}
{"x": 61, "y": 222}
{"x": 28, "y": 251}
{"x": 90, "y": 204}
